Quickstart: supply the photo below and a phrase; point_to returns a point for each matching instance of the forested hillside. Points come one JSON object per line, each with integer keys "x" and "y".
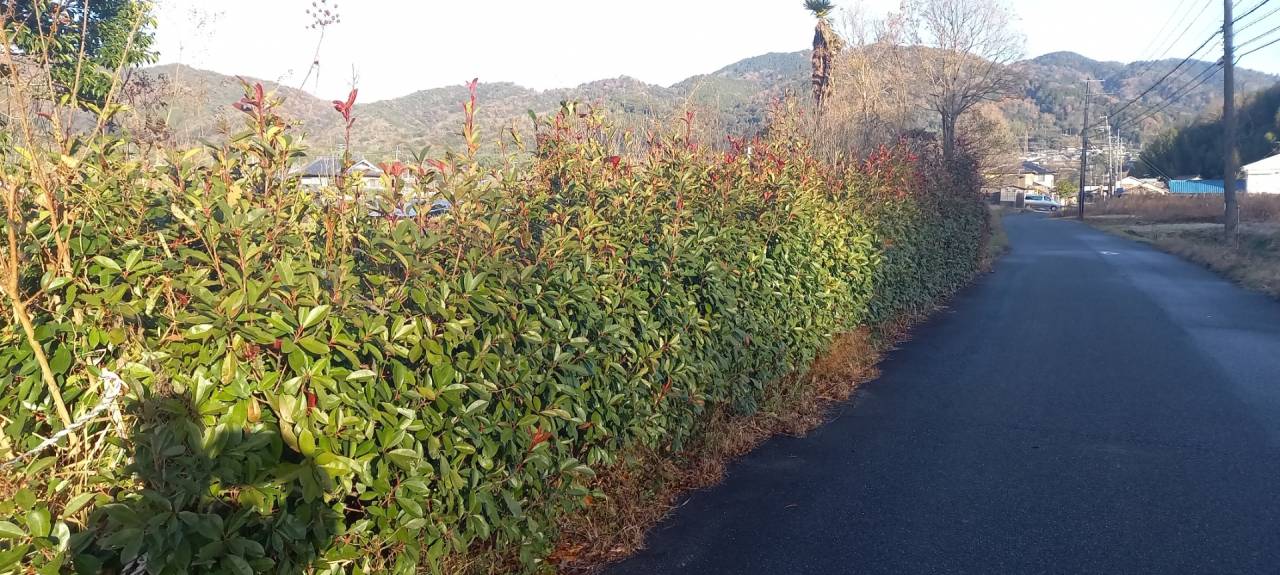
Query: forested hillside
{"x": 1046, "y": 113}
{"x": 1196, "y": 150}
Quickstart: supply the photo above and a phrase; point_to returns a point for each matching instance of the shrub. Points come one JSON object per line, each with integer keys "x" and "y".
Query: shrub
{"x": 316, "y": 381}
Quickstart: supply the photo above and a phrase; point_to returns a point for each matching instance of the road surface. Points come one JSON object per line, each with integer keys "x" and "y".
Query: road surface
{"x": 1092, "y": 406}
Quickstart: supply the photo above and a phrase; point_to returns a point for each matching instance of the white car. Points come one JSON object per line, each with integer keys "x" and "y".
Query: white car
{"x": 1043, "y": 203}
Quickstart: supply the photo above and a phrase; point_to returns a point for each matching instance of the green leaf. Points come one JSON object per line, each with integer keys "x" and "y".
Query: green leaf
{"x": 108, "y": 263}
{"x": 562, "y": 414}
{"x": 199, "y": 331}
{"x": 38, "y": 522}
{"x": 442, "y": 374}
{"x": 475, "y": 406}
{"x": 307, "y": 442}
{"x": 314, "y": 345}
{"x": 314, "y": 316}
{"x": 236, "y": 564}
{"x": 56, "y": 283}
{"x": 77, "y": 503}
{"x": 361, "y": 375}
{"x": 10, "y": 531}
{"x": 404, "y": 458}
{"x": 61, "y": 360}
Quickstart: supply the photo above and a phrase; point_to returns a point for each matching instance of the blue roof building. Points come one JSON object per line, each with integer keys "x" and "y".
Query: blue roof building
{"x": 1201, "y": 186}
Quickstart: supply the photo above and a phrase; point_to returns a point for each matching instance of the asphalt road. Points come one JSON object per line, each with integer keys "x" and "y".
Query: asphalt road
{"x": 1092, "y": 406}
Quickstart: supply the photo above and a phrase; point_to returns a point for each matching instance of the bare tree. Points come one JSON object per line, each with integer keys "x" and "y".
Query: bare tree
{"x": 968, "y": 46}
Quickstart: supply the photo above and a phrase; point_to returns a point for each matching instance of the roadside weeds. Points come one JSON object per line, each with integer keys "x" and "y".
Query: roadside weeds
{"x": 998, "y": 241}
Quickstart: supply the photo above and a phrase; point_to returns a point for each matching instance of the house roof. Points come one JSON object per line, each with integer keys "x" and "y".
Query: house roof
{"x": 329, "y": 166}
{"x": 1037, "y": 169}
{"x": 1201, "y": 186}
{"x": 1271, "y": 164}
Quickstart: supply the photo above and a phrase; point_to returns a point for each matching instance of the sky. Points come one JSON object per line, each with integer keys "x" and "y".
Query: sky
{"x": 395, "y": 47}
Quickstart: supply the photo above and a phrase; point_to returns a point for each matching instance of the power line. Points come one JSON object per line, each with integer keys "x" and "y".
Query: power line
{"x": 1251, "y": 11}
{"x": 1199, "y": 80}
{"x": 1261, "y": 18}
{"x": 1206, "y": 74}
{"x": 1166, "y": 76}
{"x": 1267, "y": 45}
{"x": 1178, "y": 93}
{"x": 1154, "y": 167}
{"x": 1259, "y": 37}
{"x": 1148, "y": 50}
{"x": 1151, "y": 64}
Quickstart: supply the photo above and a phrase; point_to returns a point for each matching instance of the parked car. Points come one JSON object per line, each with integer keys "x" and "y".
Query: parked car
{"x": 1044, "y": 203}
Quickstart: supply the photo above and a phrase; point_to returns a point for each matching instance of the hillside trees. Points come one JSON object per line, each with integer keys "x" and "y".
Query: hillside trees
{"x": 1196, "y": 149}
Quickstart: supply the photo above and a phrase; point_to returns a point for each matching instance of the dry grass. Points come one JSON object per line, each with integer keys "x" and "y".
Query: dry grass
{"x": 998, "y": 241}
{"x": 1186, "y": 209}
{"x": 1190, "y": 227}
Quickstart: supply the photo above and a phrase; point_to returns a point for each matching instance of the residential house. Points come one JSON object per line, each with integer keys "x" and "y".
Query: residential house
{"x": 1020, "y": 180}
{"x": 1141, "y": 186}
{"x": 1036, "y": 176}
{"x": 323, "y": 171}
{"x": 1263, "y": 176}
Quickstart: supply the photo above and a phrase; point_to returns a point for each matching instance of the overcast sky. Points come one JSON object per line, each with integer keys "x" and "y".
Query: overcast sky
{"x": 395, "y": 47}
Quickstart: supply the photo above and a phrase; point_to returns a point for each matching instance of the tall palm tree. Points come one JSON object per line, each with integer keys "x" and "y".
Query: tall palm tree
{"x": 826, "y": 44}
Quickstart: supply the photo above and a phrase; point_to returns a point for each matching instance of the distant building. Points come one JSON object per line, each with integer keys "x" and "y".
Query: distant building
{"x": 1141, "y": 186}
{"x": 1201, "y": 186}
{"x": 323, "y": 171}
{"x": 1025, "y": 178}
{"x": 1033, "y": 175}
{"x": 1263, "y": 176}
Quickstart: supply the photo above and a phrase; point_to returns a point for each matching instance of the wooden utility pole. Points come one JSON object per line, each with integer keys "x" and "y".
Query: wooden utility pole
{"x": 1231, "y": 219}
{"x": 1084, "y": 150}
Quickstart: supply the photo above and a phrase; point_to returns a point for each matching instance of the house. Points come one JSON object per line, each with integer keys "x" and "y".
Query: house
{"x": 1025, "y": 178}
{"x": 1263, "y": 176}
{"x": 323, "y": 171}
{"x": 1201, "y": 186}
{"x": 1141, "y": 186}
{"x": 1033, "y": 176}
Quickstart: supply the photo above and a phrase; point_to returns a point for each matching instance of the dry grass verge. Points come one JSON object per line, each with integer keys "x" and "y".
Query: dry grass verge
{"x": 1156, "y": 209}
{"x": 998, "y": 241}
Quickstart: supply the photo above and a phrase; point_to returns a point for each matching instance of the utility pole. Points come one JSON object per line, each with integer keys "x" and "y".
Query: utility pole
{"x": 1111, "y": 158}
{"x": 1231, "y": 219}
{"x": 1084, "y": 150}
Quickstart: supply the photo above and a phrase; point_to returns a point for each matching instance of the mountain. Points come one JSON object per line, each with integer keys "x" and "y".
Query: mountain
{"x": 197, "y": 105}
{"x": 1046, "y": 112}
{"x": 1053, "y": 94}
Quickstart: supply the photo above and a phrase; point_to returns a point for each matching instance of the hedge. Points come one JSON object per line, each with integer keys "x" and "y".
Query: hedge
{"x": 333, "y": 381}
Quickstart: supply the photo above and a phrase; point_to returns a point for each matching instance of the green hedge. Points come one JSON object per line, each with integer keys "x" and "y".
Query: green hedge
{"x": 313, "y": 384}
